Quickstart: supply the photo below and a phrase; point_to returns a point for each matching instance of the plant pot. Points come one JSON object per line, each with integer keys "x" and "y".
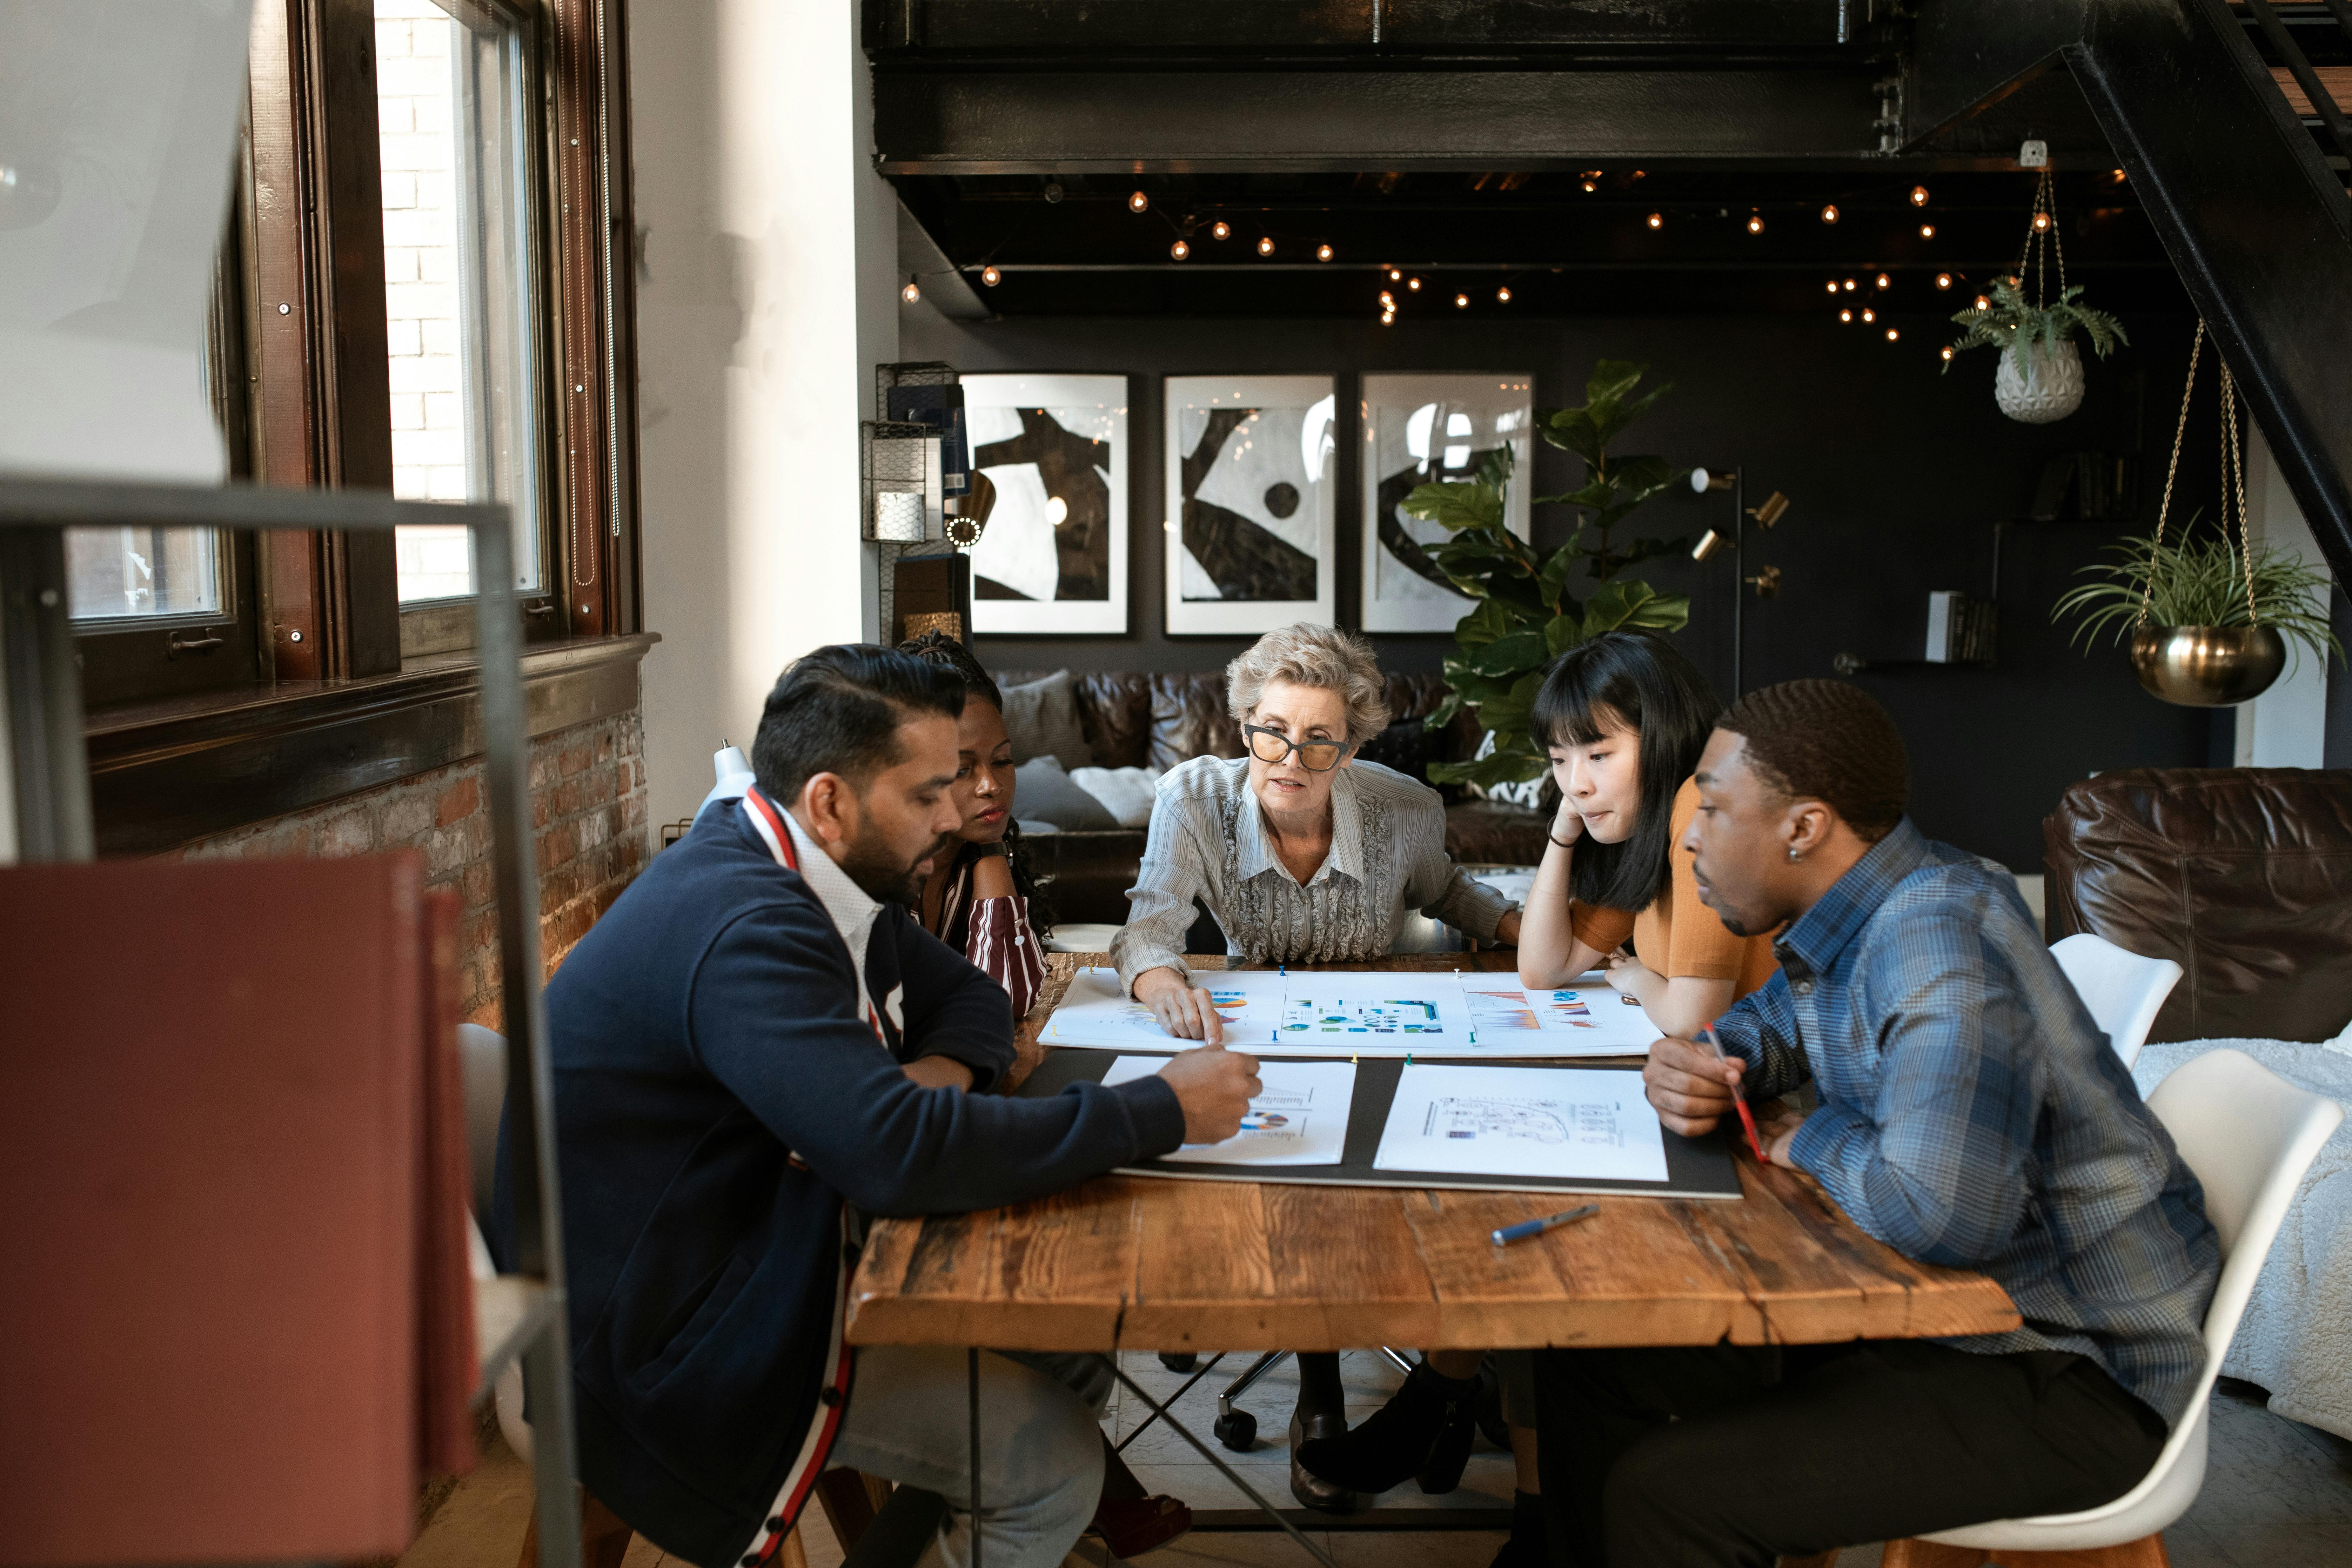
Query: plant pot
{"x": 2047, "y": 387}
{"x": 2207, "y": 666}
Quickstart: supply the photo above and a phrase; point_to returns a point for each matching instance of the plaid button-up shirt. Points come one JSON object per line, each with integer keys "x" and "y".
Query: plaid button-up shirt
{"x": 1972, "y": 1114}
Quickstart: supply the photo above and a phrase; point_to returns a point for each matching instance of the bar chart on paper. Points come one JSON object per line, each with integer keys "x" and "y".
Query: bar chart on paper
{"x": 1368, "y": 1013}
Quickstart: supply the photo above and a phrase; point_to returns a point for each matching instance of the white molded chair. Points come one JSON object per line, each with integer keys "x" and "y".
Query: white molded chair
{"x": 482, "y": 1055}
{"x": 2123, "y": 990}
{"x": 2249, "y": 1135}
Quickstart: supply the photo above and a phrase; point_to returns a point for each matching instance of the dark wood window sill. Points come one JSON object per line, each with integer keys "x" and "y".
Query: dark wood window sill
{"x": 165, "y": 772}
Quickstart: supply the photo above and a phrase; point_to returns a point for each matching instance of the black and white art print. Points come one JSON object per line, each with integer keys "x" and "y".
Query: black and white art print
{"x": 1253, "y": 524}
{"x": 1430, "y": 429}
{"x": 1053, "y": 555}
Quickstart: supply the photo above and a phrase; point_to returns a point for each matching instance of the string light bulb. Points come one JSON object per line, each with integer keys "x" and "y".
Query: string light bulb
{"x": 1947, "y": 353}
{"x": 1395, "y": 276}
{"x": 1387, "y": 300}
{"x": 1849, "y": 285}
{"x": 990, "y": 276}
{"x": 1387, "y": 316}
{"x": 1137, "y": 202}
{"x": 1462, "y": 301}
{"x": 1832, "y": 285}
{"x": 910, "y": 293}
{"x": 1322, "y": 253}
{"x": 2041, "y": 223}
{"x": 1919, "y": 195}
{"x": 1657, "y": 220}
{"x": 1266, "y": 245}
{"x": 1755, "y": 223}
{"x": 1983, "y": 303}
{"x": 1893, "y": 333}
{"x": 1180, "y": 250}
{"x": 1222, "y": 229}
{"x": 1591, "y": 184}
{"x": 1884, "y": 281}
{"x": 1943, "y": 280}
{"x": 1830, "y": 213}
{"x": 1869, "y": 315}
{"x": 1413, "y": 284}
{"x": 1845, "y": 315}
{"x": 1926, "y": 231}
{"x": 1502, "y": 295}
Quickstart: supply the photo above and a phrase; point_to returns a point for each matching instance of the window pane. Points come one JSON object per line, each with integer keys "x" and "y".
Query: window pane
{"x": 457, "y": 283}
{"x": 115, "y": 572}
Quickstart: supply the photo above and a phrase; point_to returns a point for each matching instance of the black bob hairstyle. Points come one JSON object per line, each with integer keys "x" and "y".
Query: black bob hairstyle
{"x": 1642, "y": 682}
{"x": 837, "y": 709}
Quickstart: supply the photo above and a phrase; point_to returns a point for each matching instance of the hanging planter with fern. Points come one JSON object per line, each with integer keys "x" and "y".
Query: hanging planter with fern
{"x": 2039, "y": 378}
{"x": 2209, "y": 619}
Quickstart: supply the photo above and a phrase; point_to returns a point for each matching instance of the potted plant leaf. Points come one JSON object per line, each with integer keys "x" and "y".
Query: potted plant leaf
{"x": 2210, "y": 620}
{"x": 1526, "y": 615}
{"x": 2040, "y": 378}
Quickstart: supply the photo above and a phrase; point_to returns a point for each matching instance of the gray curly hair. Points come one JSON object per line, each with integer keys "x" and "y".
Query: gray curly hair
{"x": 1304, "y": 654}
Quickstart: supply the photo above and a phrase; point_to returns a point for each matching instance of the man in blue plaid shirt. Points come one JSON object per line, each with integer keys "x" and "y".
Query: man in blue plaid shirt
{"x": 1970, "y": 1114}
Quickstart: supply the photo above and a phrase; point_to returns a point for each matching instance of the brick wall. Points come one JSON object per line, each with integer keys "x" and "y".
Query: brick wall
{"x": 588, "y": 806}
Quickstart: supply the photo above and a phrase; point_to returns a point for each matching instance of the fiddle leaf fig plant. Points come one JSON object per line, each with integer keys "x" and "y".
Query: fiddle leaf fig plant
{"x": 1526, "y": 616}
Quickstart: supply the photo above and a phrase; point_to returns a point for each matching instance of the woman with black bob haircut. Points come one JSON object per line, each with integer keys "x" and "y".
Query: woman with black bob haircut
{"x": 1624, "y": 717}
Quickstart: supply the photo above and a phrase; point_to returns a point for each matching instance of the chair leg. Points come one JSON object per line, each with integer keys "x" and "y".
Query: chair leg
{"x": 604, "y": 1536}
{"x": 850, "y": 1499}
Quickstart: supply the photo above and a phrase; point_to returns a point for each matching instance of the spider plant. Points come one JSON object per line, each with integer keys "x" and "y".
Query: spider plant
{"x": 2200, "y": 580}
{"x": 2011, "y": 321}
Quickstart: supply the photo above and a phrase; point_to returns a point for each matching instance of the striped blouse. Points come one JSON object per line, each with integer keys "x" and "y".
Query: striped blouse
{"x": 1387, "y": 859}
{"x": 994, "y": 934}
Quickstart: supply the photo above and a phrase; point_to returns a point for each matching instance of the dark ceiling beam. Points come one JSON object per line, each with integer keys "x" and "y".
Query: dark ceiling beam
{"x": 1033, "y": 121}
{"x": 2255, "y": 222}
{"x": 1211, "y": 29}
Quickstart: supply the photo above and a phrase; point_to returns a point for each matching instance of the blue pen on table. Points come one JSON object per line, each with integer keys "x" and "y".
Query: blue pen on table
{"x": 1528, "y": 1227}
{"x": 1706, "y": 1037}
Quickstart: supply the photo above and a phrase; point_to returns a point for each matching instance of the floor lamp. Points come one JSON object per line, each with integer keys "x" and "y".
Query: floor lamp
{"x": 1767, "y": 581}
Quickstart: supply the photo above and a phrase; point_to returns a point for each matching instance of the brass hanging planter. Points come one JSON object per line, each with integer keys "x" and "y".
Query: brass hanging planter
{"x": 2207, "y": 666}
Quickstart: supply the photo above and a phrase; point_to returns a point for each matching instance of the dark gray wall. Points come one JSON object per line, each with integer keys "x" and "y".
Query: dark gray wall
{"x": 1896, "y": 475}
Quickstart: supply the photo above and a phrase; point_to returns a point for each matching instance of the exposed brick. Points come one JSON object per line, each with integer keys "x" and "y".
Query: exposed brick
{"x": 478, "y": 884}
{"x": 349, "y": 832}
{"x": 460, "y": 800}
{"x": 574, "y": 758}
{"x": 405, "y": 818}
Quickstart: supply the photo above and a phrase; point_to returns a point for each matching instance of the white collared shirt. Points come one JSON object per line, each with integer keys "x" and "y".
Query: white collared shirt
{"x": 851, "y": 907}
{"x": 1209, "y": 840}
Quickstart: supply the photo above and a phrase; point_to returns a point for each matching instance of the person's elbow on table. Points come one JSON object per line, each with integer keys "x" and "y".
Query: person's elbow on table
{"x": 1690, "y": 1086}
{"x": 1215, "y": 1085}
{"x": 1507, "y": 930}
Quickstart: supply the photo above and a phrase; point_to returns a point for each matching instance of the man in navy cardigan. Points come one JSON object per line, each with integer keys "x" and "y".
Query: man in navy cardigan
{"x": 753, "y": 1046}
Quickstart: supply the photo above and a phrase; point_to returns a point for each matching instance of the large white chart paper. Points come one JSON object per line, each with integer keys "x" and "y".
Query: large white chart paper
{"x": 1371, "y": 1012}
{"x": 1301, "y": 1117}
{"x": 1587, "y": 1124}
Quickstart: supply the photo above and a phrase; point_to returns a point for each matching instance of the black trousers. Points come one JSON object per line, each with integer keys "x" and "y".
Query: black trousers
{"x": 1735, "y": 1456}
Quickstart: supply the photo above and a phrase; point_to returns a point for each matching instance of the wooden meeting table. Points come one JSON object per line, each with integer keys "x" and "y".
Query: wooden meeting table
{"x": 1140, "y": 1263}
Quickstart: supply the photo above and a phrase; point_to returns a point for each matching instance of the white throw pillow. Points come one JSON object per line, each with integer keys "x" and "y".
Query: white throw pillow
{"x": 1125, "y": 793}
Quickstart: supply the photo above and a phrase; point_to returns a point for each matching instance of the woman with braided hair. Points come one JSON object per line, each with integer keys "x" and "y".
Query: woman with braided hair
{"x": 983, "y": 900}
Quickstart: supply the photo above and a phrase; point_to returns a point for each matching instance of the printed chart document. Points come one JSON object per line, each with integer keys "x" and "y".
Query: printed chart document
{"x": 1300, "y": 1119}
{"x": 1583, "y": 1020}
{"x": 1352, "y": 1011}
{"x": 1095, "y": 1012}
{"x": 1578, "y": 1124}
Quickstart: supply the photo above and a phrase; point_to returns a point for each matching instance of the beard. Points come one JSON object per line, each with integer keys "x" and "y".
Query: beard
{"x": 870, "y": 864}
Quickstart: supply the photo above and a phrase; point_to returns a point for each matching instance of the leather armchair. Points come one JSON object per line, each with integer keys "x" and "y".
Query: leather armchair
{"x": 2241, "y": 876}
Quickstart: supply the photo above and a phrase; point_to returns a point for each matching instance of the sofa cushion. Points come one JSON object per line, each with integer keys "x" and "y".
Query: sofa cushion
{"x": 1189, "y": 720}
{"x": 1488, "y": 833}
{"x": 1125, "y": 793}
{"x": 1042, "y": 718}
{"x": 1042, "y": 792}
{"x": 2241, "y": 876}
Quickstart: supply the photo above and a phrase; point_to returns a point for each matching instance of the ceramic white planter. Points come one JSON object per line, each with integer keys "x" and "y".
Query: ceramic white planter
{"x": 2048, "y": 386}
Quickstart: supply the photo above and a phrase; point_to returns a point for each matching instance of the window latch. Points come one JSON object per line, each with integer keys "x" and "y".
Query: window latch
{"x": 178, "y": 644}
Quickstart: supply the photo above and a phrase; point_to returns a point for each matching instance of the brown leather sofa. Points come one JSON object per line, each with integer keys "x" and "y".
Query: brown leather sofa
{"x": 1156, "y": 721}
{"x": 2241, "y": 876}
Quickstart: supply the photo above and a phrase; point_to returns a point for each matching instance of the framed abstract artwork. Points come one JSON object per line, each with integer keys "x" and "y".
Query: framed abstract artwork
{"x": 1430, "y": 429}
{"x": 1053, "y": 555}
{"x": 1251, "y": 521}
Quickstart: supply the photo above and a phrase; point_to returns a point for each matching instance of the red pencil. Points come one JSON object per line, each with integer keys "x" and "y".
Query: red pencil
{"x": 1747, "y": 1117}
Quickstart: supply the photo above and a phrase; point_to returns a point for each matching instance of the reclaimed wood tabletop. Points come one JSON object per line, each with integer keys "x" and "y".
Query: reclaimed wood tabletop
{"x": 1140, "y": 1263}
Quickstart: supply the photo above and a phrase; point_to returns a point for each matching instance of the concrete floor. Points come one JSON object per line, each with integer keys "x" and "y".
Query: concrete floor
{"x": 2277, "y": 1494}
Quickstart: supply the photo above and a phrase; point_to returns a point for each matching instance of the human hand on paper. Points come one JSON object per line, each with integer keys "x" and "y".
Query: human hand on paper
{"x": 1184, "y": 1011}
{"x": 1690, "y": 1086}
{"x": 1215, "y": 1085}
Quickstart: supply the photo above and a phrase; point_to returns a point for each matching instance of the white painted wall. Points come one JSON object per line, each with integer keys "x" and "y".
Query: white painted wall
{"x": 2285, "y": 727}
{"x": 766, "y": 295}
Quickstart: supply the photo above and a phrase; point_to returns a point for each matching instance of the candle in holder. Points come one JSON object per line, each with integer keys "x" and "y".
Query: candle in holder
{"x": 899, "y": 515}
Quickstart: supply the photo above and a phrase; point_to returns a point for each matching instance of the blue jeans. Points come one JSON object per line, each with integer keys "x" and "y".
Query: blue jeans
{"x": 909, "y": 1420}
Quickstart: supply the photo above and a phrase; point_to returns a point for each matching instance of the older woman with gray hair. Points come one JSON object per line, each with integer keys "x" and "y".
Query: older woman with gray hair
{"x": 1303, "y": 853}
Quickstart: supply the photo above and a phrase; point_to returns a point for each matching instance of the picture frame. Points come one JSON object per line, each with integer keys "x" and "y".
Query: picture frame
{"x": 1427, "y": 429}
{"x": 1252, "y": 510}
{"x": 1053, "y": 558}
